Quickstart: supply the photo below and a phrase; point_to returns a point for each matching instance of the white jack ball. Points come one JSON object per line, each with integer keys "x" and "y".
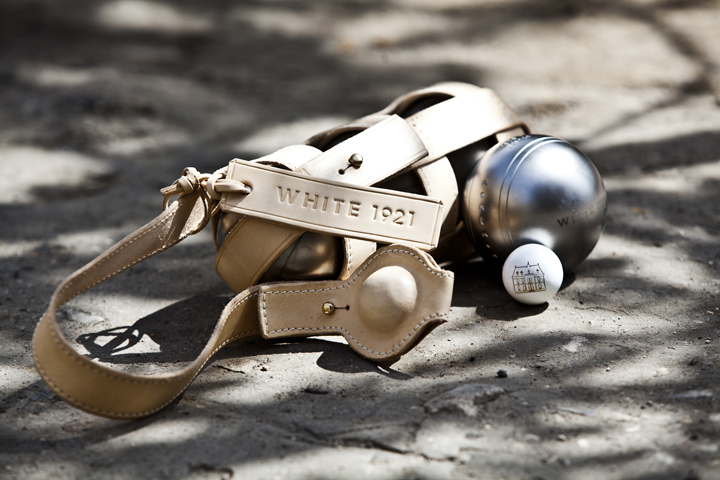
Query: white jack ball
{"x": 532, "y": 274}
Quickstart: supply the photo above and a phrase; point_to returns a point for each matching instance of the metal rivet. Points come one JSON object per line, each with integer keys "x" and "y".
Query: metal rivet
{"x": 328, "y": 308}
{"x": 355, "y": 160}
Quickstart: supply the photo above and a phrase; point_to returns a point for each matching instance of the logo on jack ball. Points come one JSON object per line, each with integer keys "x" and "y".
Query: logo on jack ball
{"x": 528, "y": 279}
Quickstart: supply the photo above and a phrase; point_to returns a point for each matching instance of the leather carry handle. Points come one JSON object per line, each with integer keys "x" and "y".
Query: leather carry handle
{"x": 100, "y": 390}
{"x": 96, "y": 388}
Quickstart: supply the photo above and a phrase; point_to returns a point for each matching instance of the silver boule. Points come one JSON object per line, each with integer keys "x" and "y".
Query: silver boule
{"x": 535, "y": 189}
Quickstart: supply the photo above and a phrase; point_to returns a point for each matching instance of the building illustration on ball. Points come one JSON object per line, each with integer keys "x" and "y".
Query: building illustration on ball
{"x": 529, "y": 278}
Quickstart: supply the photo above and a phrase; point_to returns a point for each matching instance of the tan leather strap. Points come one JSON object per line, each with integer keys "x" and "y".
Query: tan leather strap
{"x": 460, "y": 121}
{"x": 98, "y": 389}
{"x": 463, "y": 115}
{"x": 386, "y": 148}
{"x": 249, "y": 250}
{"x": 438, "y": 179}
{"x": 473, "y": 113}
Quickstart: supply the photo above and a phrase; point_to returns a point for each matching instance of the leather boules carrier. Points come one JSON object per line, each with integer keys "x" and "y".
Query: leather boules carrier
{"x": 331, "y": 237}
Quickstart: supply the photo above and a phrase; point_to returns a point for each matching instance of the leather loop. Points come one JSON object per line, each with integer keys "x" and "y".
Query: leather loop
{"x": 249, "y": 250}
{"x": 188, "y": 183}
{"x": 225, "y": 185}
{"x": 411, "y": 296}
{"x": 212, "y": 181}
{"x": 89, "y": 385}
{"x": 439, "y": 181}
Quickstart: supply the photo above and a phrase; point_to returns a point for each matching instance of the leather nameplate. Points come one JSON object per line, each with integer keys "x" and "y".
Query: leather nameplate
{"x": 386, "y": 148}
{"x": 375, "y": 214}
{"x": 392, "y": 301}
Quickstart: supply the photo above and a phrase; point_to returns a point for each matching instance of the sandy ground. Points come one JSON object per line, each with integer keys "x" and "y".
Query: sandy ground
{"x": 103, "y": 103}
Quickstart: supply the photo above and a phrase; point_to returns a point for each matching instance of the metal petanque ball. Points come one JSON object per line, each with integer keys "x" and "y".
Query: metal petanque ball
{"x": 535, "y": 189}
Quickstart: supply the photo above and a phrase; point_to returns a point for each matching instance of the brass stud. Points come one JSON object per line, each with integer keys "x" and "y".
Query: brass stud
{"x": 355, "y": 160}
{"x": 328, "y": 308}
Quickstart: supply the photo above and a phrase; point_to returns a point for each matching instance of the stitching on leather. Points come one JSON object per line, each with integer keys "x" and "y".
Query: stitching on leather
{"x": 77, "y": 402}
{"x": 426, "y": 183}
{"x": 136, "y": 238}
{"x": 264, "y": 318}
{"x": 349, "y": 262}
{"x": 429, "y": 144}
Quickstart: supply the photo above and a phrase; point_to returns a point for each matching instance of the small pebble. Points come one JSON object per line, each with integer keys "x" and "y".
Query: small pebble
{"x": 502, "y": 374}
{"x": 472, "y": 359}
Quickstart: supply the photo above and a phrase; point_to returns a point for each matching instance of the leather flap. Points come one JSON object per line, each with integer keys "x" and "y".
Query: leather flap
{"x": 394, "y": 299}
